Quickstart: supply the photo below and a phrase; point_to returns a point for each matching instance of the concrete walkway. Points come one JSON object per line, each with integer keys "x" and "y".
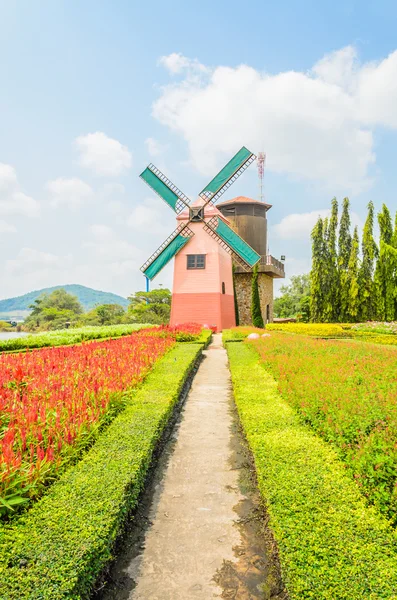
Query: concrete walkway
{"x": 193, "y": 546}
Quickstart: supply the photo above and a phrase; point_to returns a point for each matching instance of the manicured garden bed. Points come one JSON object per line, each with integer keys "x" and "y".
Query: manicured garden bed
{"x": 65, "y": 337}
{"x": 58, "y": 548}
{"x": 332, "y": 545}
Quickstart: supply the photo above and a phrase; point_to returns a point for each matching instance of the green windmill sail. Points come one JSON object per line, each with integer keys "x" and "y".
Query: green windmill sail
{"x": 241, "y": 252}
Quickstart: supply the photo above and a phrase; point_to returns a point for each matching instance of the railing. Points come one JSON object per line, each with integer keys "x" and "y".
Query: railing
{"x": 270, "y": 261}
{"x": 268, "y": 264}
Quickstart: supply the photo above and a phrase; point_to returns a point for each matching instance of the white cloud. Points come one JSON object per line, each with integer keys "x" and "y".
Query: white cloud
{"x": 12, "y": 200}
{"x": 298, "y": 226}
{"x": 29, "y": 259}
{"x": 315, "y": 125}
{"x": 102, "y": 154}
{"x": 177, "y": 63}
{"x": 149, "y": 216}
{"x": 6, "y": 227}
{"x": 72, "y": 192}
{"x": 154, "y": 147}
{"x": 106, "y": 246}
{"x": 8, "y": 177}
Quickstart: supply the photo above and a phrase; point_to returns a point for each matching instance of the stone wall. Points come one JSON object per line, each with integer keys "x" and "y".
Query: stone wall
{"x": 243, "y": 293}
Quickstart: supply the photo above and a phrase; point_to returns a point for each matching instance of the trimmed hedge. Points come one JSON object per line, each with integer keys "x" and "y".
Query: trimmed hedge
{"x": 59, "y": 547}
{"x": 332, "y": 546}
{"x": 66, "y": 337}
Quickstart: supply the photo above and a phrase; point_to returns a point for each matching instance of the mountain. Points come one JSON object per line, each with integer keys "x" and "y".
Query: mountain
{"x": 87, "y": 297}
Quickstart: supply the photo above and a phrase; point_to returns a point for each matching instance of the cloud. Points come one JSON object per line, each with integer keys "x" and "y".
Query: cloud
{"x": 103, "y": 155}
{"x": 176, "y": 63}
{"x": 154, "y": 147}
{"x": 298, "y": 226}
{"x": 12, "y": 200}
{"x": 106, "y": 246}
{"x": 6, "y": 227}
{"x": 148, "y": 216}
{"x": 29, "y": 259}
{"x": 316, "y": 126}
{"x": 72, "y": 192}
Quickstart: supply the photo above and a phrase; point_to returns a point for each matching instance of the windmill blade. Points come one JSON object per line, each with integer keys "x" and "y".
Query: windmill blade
{"x": 242, "y": 252}
{"x": 168, "y": 249}
{"x": 164, "y": 188}
{"x": 228, "y": 175}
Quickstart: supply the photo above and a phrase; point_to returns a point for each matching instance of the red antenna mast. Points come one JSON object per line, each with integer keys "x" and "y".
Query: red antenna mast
{"x": 261, "y": 160}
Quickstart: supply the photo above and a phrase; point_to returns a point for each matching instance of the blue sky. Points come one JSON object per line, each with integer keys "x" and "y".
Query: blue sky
{"x": 93, "y": 91}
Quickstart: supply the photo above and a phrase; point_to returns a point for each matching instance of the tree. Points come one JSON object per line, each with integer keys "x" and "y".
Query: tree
{"x": 256, "y": 313}
{"x": 384, "y": 278}
{"x": 331, "y": 289}
{"x": 365, "y": 276}
{"x": 294, "y": 298}
{"x": 104, "y": 314}
{"x": 317, "y": 273}
{"x": 150, "y": 307}
{"x": 344, "y": 251}
{"x": 54, "y": 311}
{"x": 236, "y": 313}
{"x": 352, "y": 296}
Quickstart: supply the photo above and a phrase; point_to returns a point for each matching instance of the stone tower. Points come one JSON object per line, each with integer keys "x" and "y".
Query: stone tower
{"x": 248, "y": 218}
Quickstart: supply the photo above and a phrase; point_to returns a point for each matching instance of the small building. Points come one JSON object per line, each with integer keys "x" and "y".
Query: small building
{"x": 248, "y": 218}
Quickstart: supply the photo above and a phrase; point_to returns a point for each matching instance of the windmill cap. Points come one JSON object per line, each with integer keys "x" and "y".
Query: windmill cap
{"x": 244, "y": 200}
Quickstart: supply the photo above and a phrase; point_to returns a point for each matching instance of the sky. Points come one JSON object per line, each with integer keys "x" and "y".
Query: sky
{"x": 93, "y": 91}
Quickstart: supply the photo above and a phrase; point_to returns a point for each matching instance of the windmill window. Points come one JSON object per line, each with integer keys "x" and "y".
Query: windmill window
{"x": 223, "y": 288}
{"x": 196, "y": 261}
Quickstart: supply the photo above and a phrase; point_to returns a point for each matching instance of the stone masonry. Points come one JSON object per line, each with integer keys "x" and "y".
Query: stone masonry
{"x": 243, "y": 294}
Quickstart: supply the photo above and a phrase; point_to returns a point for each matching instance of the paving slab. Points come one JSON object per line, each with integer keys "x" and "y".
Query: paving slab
{"x": 203, "y": 536}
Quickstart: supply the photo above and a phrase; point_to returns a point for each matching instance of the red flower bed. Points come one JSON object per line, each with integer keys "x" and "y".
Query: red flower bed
{"x": 54, "y": 400}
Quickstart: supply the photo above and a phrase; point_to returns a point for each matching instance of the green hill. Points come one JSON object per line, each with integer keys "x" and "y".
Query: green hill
{"x": 87, "y": 297}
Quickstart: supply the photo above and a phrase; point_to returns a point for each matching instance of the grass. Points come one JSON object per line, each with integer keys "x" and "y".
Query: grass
{"x": 332, "y": 545}
{"x": 59, "y": 547}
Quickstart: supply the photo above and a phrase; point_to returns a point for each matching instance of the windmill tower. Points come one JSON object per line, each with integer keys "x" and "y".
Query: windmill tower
{"x": 204, "y": 246}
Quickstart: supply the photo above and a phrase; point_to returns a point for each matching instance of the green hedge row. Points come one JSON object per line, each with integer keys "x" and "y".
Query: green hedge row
{"x": 58, "y": 548}
{"x": 332, "y": 546}
{"x": 64, "y": 337}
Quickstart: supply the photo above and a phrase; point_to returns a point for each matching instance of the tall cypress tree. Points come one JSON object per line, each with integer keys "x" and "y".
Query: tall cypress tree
{"x": 317, "y": 273}
{"x": 344, "y": 250}
{"x": 332, "y": 304}
{"x": 365, "y": 276}
{"x": 352, "y": 308}
{"x": 383, "y": 278}
{"x": 256, "y": 313}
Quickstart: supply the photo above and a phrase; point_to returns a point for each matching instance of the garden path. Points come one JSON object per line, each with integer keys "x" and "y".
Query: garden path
{"x": 202, "y": 538}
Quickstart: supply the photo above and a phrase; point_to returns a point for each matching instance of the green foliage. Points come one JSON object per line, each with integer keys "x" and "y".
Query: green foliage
{"x": 344, "y": 256}
{"x": 331, "y": 545}
{"x": 52, "y": 311}
{"x": 150, "y": 307}
{"x": 256, "y": 312}
{"x": 236, "y": 313}
{"x": 351, "y": 283}
{"x": 68, "y": 336}
{"x": 294, "y": 299}
{"x": 59, "y": 547}
{"x": 4, "y": 326}
{"x": 331, "y": 290}
{"x": 317, "y": 273}
{"x": 104, "y": 314}
{"x": 365, "y": 276}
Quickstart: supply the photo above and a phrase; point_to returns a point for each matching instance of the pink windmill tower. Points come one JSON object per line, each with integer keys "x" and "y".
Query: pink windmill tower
{"x": 204, "y": 247}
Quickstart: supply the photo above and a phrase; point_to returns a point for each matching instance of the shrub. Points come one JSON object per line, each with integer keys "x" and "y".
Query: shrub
{"x": 256, "y": 312}
{"x": 332, "y": 547}
{"x": 58, "y": 548}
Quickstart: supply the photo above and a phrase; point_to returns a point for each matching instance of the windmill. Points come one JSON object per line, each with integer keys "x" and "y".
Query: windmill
{"x": 204, "y": 247}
